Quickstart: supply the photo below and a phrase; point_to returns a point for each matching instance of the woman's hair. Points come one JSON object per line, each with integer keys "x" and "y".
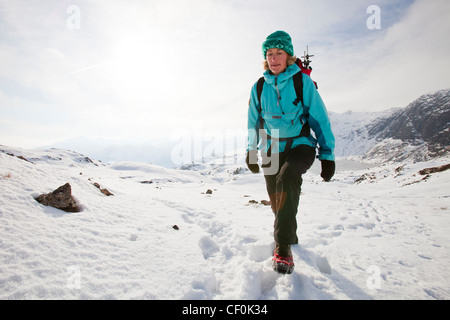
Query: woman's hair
{"x": 290, "y": 61}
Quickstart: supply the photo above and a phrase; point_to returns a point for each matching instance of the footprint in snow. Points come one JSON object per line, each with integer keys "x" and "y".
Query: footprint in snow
{"x": 260, "y": 253}
{"x": 323, "y": 264}
{"x": 208, "y": 246}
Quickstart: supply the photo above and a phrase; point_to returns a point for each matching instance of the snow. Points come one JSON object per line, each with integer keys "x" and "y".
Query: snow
{"x": 351, "y": 131}
{"x": 385, "y": 237}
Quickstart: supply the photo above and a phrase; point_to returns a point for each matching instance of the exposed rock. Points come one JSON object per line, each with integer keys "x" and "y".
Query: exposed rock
{"x": 61, "y": 199}
{"x": 263, "y": 202}
{"x": 19, "y": 157}
{"x": 209, "y": 191}
{"x": 88, "y": 160}
{"x": 103, "y": 190}
{"x": 106, "y": 192}
{"x": 239, "y": 170}
{"x": 371, "y": 177}
{"x": 23, "y": 158}
{"x": 434, "y": 169}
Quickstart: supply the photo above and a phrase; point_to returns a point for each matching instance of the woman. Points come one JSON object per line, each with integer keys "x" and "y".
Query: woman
{"x": 276, "y": 112}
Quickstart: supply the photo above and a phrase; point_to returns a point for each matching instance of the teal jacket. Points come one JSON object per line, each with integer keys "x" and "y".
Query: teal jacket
{"x": 283, "y": 119}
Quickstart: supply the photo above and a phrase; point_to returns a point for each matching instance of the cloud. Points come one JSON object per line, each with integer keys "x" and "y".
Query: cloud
{"x": 406, "y": 60}
{"x": 145, "y": 68}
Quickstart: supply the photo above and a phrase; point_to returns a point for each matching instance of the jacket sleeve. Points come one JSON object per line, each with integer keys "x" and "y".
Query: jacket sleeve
{"x": 254, "y": 120}
{"x": 318, "y": 120}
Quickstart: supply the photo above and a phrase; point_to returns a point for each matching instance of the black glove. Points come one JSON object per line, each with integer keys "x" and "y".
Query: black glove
{"x": 328, "y": 168}
{"x": 253, "y": 167}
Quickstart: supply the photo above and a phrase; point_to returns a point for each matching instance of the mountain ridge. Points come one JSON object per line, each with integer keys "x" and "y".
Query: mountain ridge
{"x": 418, "y": 132}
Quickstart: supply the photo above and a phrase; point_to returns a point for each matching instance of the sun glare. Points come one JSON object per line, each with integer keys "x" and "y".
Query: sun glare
{"x": 134, "y": 65}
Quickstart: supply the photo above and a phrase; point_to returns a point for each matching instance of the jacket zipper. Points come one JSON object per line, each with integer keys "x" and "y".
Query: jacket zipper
{"x": 278, "y": 95}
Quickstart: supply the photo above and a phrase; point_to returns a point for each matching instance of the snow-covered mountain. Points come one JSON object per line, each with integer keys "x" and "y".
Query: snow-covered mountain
{"x": 156, "y": 152}
{"x": 351, "y": 130}
{"x": 204, "y": 233}
{"x": 416, "y": 133}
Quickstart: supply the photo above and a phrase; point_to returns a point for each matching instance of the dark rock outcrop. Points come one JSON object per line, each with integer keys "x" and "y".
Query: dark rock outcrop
{"x": 424, "y": 121}
{"x": 61, "y": 199}
{"x": 435, "y": 169}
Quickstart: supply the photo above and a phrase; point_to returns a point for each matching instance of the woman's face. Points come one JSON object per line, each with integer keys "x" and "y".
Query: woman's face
{"x": 277, "y": 60}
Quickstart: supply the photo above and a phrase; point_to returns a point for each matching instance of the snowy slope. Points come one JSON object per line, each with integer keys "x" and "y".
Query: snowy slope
{"x": 351, "y": 131}
{"x": 385, "y": 237}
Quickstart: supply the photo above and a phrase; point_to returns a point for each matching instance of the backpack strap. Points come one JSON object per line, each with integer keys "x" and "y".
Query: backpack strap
{"x": 298, "y": 85}
{"x": 259, "y": 88}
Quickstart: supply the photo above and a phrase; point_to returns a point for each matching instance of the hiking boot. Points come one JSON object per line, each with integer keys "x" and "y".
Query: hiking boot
{"x": 282, "y": 260}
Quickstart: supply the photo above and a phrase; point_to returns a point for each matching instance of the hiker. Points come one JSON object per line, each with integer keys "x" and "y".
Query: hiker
{"x": 285, "y": 138}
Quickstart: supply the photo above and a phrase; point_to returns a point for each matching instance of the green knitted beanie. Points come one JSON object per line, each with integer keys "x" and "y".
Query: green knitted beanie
{"x": 279, "y": 40}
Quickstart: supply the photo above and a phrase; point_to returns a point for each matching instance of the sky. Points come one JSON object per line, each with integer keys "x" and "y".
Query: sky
{"x": 137, "y": 70}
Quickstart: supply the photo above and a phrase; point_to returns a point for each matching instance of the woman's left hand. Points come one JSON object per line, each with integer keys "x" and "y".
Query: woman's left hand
{"x": 252, "y": 161}
{"x": 328, "y": 168}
